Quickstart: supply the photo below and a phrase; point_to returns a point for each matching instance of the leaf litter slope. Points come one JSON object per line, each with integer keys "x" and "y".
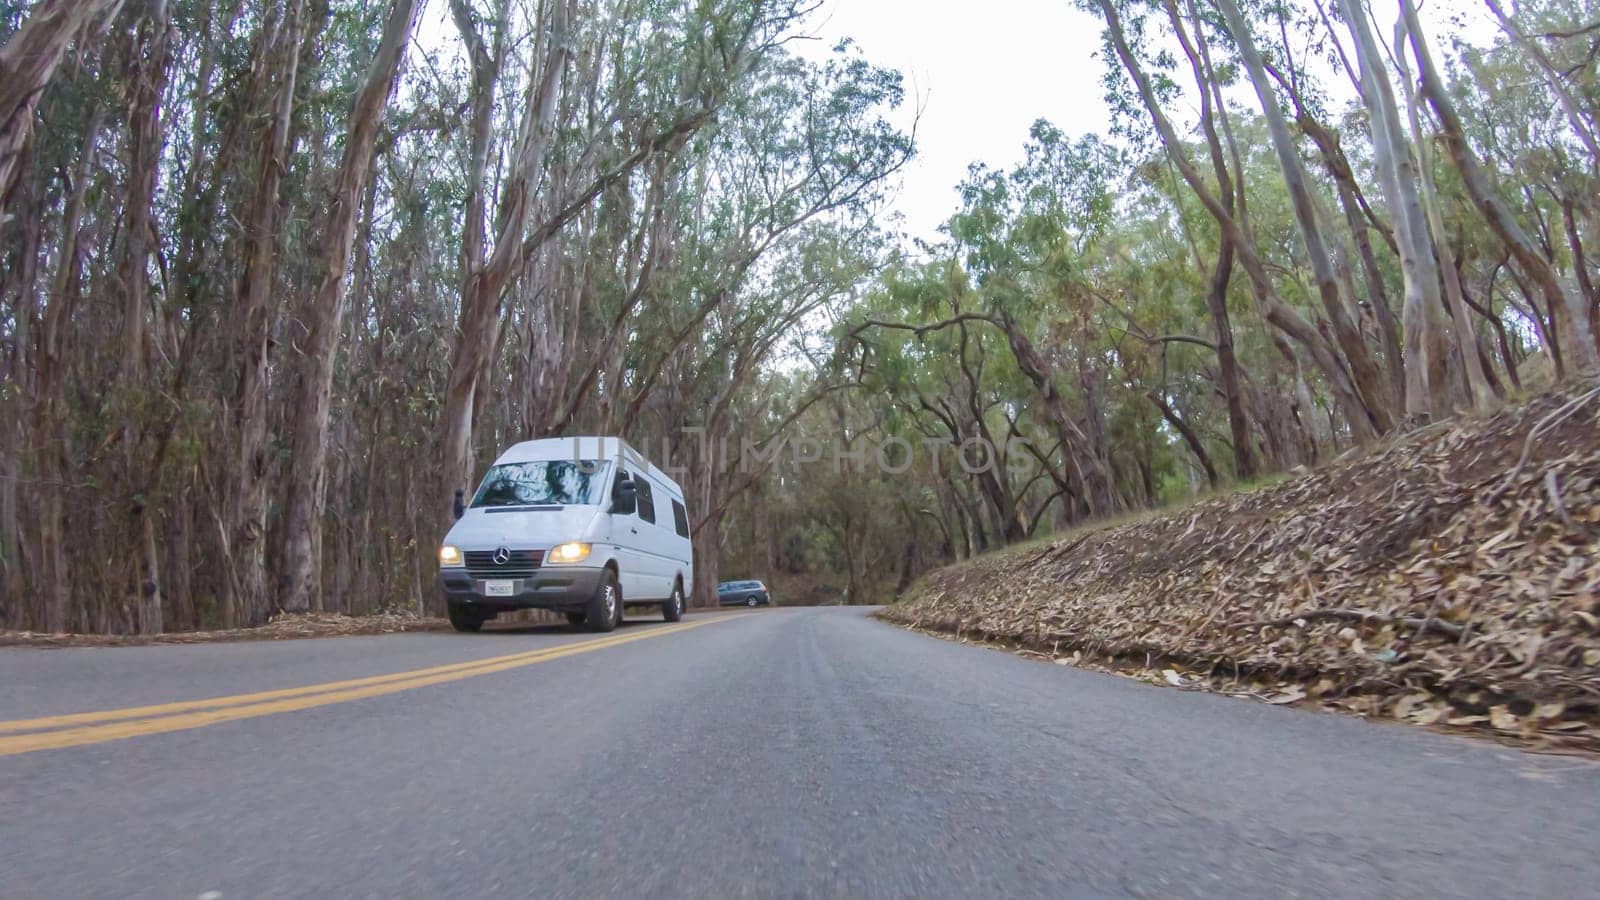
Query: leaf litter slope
{"x": 1450, "y": 578}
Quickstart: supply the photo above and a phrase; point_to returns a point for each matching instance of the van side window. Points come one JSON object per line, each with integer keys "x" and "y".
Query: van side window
{"x": 647, "y": 504}
{"x": 680, "y": 519}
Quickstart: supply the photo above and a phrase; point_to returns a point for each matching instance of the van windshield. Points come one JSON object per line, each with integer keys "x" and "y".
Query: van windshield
{"x": 562, "y": 482}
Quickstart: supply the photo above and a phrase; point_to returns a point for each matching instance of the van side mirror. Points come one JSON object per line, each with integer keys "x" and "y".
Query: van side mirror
{"x": 625, "y": 497}
{"x": 459, "y": 507}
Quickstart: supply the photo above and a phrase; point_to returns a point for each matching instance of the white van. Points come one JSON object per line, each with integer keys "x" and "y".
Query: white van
{"x": 576, "y": 525}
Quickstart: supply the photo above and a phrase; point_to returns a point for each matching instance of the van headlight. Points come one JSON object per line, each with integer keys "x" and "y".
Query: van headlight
{"x": 449, "y": 556}
{"x": 570, "y": 552}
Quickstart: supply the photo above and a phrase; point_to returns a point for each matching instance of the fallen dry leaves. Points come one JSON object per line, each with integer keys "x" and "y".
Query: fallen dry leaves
{"x": 1451, "y": 578}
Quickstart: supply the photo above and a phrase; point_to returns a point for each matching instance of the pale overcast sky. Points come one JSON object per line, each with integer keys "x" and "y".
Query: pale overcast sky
{"x": 983, "y": 72}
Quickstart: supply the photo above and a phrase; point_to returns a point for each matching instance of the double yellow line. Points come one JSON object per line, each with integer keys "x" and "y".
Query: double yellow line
{"x": 74, "y": 730}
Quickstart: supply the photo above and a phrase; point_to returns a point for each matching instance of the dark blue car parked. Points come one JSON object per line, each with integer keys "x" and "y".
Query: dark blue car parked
{"x": 743, "y": 593}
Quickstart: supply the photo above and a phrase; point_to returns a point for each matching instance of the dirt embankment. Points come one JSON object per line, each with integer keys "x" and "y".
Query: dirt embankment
{"x": 1451, "y": 578}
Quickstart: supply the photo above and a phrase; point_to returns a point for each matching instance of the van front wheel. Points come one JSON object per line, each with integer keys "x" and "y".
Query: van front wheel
{"x": 606, "y": 605}
{"x": 672, "y": 608}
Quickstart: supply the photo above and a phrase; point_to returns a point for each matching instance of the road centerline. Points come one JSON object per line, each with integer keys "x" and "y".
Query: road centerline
{"x": 46, "y": 723}
{"x": 79, "y": 729}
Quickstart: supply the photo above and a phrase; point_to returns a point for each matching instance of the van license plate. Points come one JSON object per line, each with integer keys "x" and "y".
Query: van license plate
{"x": 499, "y": 588}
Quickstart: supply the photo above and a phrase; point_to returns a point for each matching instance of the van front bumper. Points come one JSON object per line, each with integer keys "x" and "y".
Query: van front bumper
{"x": 563, "y": 588}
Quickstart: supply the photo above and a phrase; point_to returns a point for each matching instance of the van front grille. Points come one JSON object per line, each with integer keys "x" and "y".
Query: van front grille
{"x": 519, "y": 564}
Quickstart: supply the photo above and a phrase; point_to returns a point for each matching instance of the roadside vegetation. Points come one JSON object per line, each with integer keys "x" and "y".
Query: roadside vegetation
{"x": 277, "y": 279}
{"x": 1445, "y": 579}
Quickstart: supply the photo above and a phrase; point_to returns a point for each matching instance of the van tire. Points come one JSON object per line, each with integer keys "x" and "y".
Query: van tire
{"x": 605, "y": 607}
{"x": 672, "y": 607}
{"x": 464, "y": 617}
{"x": 752, "y": 603}
{"x": 575, "y": 619}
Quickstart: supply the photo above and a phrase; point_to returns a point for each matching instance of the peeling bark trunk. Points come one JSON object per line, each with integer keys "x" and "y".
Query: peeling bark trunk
{"x": 148, "y": 74}
{"x": 1570, "y": 315}
{"x": 1365, "y": 374}
{"x": 1228, "y": 379}
{"x": 1422, "y": 310}
{"x": 484, "y": 280}
{"x": 1466, "y": 345}
{"x": 1276, "y": 312}
{"x": 324, "y": 318}
{"x": 54, "y": 580}
{"x": 1354, "y": 208}
{"x": 247, "y": 478}
{"x": 27, "y": 63}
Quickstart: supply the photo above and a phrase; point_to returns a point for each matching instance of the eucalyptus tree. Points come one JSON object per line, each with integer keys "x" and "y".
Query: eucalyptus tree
{"x": 28, "y": 60}
{"x": 323, "y": 316}
{"x": 1027, "y": 238}
{"x": 1566, "y": 308}
{"x": 926, "y": 342}
{"x": 1477, "y": 379}
{"x": 1516, "y": 122}
{"x": 1583, "y": 115}
{"x": 1422, "y": 311}
{"x": 1363, "y": 371}
{"x": 1276, "y": 311}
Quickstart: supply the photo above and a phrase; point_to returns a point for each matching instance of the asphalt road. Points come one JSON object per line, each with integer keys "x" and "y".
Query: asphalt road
{"x": 773, "y": 753}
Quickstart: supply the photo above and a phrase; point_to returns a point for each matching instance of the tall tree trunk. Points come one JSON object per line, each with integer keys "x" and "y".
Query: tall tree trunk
{"x": 484, "y": 280}
{"x": 25, "y": 235}
{"x": 1094, "y": 481}
{"x": 27, "y": 63}
{"x": 324, "y": 320}
{"x": 1354, "y": 207}
{"x": 1276, "y": 312}
{"x": 1422, "y": 310}
{"x": 54, "y": 580}
{"x": 1368, "y": 380}
{"x": 1466, "y": 344}
{"x": 1244, "y": 457}
{"x": 1570, "y": 315}
{"x": 147, "y": 72}
{"x": 247, "y": 478}
{"x": 1199, "y": 54}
